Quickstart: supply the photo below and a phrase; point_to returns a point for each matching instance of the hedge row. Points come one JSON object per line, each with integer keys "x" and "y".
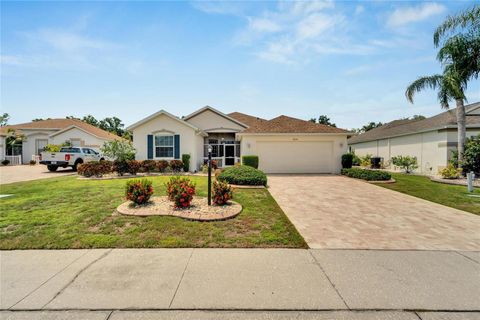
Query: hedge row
{"x": 365, "y": 174}
{"x": 100, "y": 168}
{"x": 243, "y": 175}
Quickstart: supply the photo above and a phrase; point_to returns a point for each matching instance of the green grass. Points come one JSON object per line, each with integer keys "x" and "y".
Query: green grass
{"x": 67, "y": 212}
{"x": 446, "y": 194}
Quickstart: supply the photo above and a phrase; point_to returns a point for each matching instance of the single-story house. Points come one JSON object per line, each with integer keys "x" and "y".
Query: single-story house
{"x": 430, "y": 140}
{"x": 52, "y": 131}
{"x": 283, "y": 144}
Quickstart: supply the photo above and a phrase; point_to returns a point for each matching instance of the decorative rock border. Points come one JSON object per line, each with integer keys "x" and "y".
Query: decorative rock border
{"x": 381, "y": 181}
{"x": 138, "y": 176}
{"x": 237, "y": 186}
{"x": 457, "y": 182}
{"x": 198, "y": 211}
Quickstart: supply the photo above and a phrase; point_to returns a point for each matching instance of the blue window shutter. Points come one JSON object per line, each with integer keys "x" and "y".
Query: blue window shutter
{"x": 149, "y": 146}
{"x": 177, "y": 146}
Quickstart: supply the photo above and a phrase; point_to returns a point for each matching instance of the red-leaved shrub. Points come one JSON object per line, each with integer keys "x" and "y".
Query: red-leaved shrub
{"x": 162, "y": 165}
{"x": 222, "y": 192}
{"x": 138, "y": 191}
{"x": 180, "y": 191}
{"x": 176, "y": 165}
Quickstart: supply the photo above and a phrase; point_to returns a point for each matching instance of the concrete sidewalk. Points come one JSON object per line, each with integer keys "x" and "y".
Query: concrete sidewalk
{"x": 240, "y": 279}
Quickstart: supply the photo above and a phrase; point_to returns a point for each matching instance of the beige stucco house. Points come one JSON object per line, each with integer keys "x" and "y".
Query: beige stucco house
{"x": 52, "y": 131}
{"x": 283, "y": 144}
{"x": 430, "y": 140}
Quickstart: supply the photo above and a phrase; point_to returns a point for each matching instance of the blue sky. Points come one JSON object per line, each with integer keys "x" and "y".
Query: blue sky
{"x": 349, "y": 60}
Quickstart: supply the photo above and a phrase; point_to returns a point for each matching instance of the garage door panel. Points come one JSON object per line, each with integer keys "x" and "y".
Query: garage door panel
{"x": 295, "y": 156}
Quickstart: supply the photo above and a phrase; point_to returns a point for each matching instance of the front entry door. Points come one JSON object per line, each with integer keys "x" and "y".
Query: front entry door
{"x": 229, "y": 155}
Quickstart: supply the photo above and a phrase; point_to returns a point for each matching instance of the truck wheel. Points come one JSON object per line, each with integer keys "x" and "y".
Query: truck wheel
{"x": 75, "y": 166}
{"x": 52, "y": 168}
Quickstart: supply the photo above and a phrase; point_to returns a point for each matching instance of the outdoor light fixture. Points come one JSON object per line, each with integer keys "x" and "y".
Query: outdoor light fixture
{"x": 209, "y": 175}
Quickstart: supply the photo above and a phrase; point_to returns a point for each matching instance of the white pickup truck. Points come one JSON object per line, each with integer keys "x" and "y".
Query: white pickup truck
{"x": 69, "y": 157}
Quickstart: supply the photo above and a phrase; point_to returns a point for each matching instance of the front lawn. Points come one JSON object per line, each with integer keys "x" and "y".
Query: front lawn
{"x": 446, "y": 194}
{"x": 70, "y": 213}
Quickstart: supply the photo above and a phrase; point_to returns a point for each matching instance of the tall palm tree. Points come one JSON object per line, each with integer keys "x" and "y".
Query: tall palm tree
{"x": 460, "y": 58}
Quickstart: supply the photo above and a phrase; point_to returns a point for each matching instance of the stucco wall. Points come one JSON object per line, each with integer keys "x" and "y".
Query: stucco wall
{"x": 190, "y": 142}
{"x": 2, "y": 148}
{"x": 430, "y": 148}
{"x": 86, "y": 139}
{"x": 249, "y": 144}
{"x": 29, "y": 145}
{"x": 209, "y": 120}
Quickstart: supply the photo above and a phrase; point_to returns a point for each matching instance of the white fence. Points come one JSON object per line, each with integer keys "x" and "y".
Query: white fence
{"x": 14, "y": 160}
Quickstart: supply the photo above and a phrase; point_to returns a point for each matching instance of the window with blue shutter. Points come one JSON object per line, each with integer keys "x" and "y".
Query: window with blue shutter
{"x": 177, "y": 146}
{"x": 149, "y": 146}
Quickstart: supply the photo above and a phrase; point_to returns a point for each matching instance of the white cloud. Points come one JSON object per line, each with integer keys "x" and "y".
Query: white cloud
{"x": 69, "y": 41}
{"x": 359, "y": 9}
{"x": 405, "y": 15}
{"x": 315, "y": 24}
{"x": 307, "y": 7}
{"x": 263, "y": 25}
{"x": 279, "y": 51}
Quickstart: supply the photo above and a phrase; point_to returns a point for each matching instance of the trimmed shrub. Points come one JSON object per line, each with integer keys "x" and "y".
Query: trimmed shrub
{"x": 94, "y": 168}
{"x": 134, "y": 166}
{"x": 138, "y": 191}
{"x": 161, "y": 165}
{"x": 366, "y": 174}
{"x": 222, "y": 192}
{"x": 251, "y": 161}
{"x": 186, "y": 162}
{"x": 5, "y": 162}
{"x": 450, "y": 172}
{"x": 148, "y": 166}
{"x": 406, "y": 163}
{"x": 120, "y": 167}
{"x": 205, "y": 165}
{"x": 243, "y": 175}
{"x": 176, "y": 165}
{"x": 33, "y": 162}
{"x": 347, "y": 160}
{"x": 355, "y": 160}
{"x": 181, "y": 191}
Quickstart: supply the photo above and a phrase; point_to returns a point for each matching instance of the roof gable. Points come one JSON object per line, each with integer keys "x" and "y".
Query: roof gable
{"x": 159, "y": 113}
{"x": 217, "y": 112}
{"x": 246, "y": 118}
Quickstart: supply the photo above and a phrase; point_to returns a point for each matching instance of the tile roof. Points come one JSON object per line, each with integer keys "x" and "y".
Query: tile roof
{"x": 60, "y": 124}
{"x": 245, "y": 118}
{"x": 285, "y": 124}
{"x": 402, "y": 127}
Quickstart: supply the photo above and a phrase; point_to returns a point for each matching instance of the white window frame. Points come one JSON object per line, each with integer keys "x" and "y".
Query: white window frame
{"x": 155, "y": 146}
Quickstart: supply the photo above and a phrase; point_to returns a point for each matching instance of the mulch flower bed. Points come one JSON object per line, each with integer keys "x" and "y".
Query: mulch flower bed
{"x": 199, "y": 210}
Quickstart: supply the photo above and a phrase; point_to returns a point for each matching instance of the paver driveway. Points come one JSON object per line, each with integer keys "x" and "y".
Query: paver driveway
{"x": 335, "y": 212}
{"x": 10, "y": 174}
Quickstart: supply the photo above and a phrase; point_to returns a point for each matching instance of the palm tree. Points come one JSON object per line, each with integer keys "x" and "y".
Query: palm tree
{"x": 460, "y": 58}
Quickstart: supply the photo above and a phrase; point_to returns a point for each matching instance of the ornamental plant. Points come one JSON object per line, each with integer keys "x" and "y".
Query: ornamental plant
{"x": 148, "y": 166}
{"x": 180, "y": 191}
{"x": 95, "y": 168}
{"x": 161, "y": 165}
{"x": 450, "y": 172}
{"x": 138, "y": 191}
{"x": 407, "y": 163}
{"x": 176, "y": 165}
{"x": 347, "y": 160}
{"x": 222, "y": 192}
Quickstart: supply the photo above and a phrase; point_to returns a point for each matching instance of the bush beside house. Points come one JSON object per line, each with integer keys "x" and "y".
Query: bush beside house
{"x": 243, "y": 175}
{"x": 251, "y": 161}
{"x": 138, "y": 191}
{"x": 366, "y": 174}
{"x": 101, "y": 168}
{"x": 406, "y": 163}
{"x": 347, "y": 160}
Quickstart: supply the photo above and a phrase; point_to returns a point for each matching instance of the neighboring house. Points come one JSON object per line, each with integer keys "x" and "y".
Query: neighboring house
{"x": 53, "y": 131}
{"x": 283, "y": 144}
{"x": 430, "y": 140}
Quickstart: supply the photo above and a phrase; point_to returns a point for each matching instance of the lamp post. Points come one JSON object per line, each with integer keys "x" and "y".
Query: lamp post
{"x": 209, "y": 175}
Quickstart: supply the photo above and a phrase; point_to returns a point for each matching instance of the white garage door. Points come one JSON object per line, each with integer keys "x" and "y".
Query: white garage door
{"x": 295, "y": 156}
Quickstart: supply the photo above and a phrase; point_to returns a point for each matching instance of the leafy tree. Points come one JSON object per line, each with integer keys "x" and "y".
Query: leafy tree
{"x": 119, "y": 150}
{"x": 72, "y": 117}
{"x": 418, "y": 117}
{"x": 313, "y": 120}
{"x": 40, "y": 119}
{"x": 113, "y": 125}
{"x": 406, "y": 163}
{"x": 460, "y": 58}
{"x": 91, "y": 120}
{"x": 4, "y": 119}
{"x": 128, "y": 135}
{"x": 323, "y": 119}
